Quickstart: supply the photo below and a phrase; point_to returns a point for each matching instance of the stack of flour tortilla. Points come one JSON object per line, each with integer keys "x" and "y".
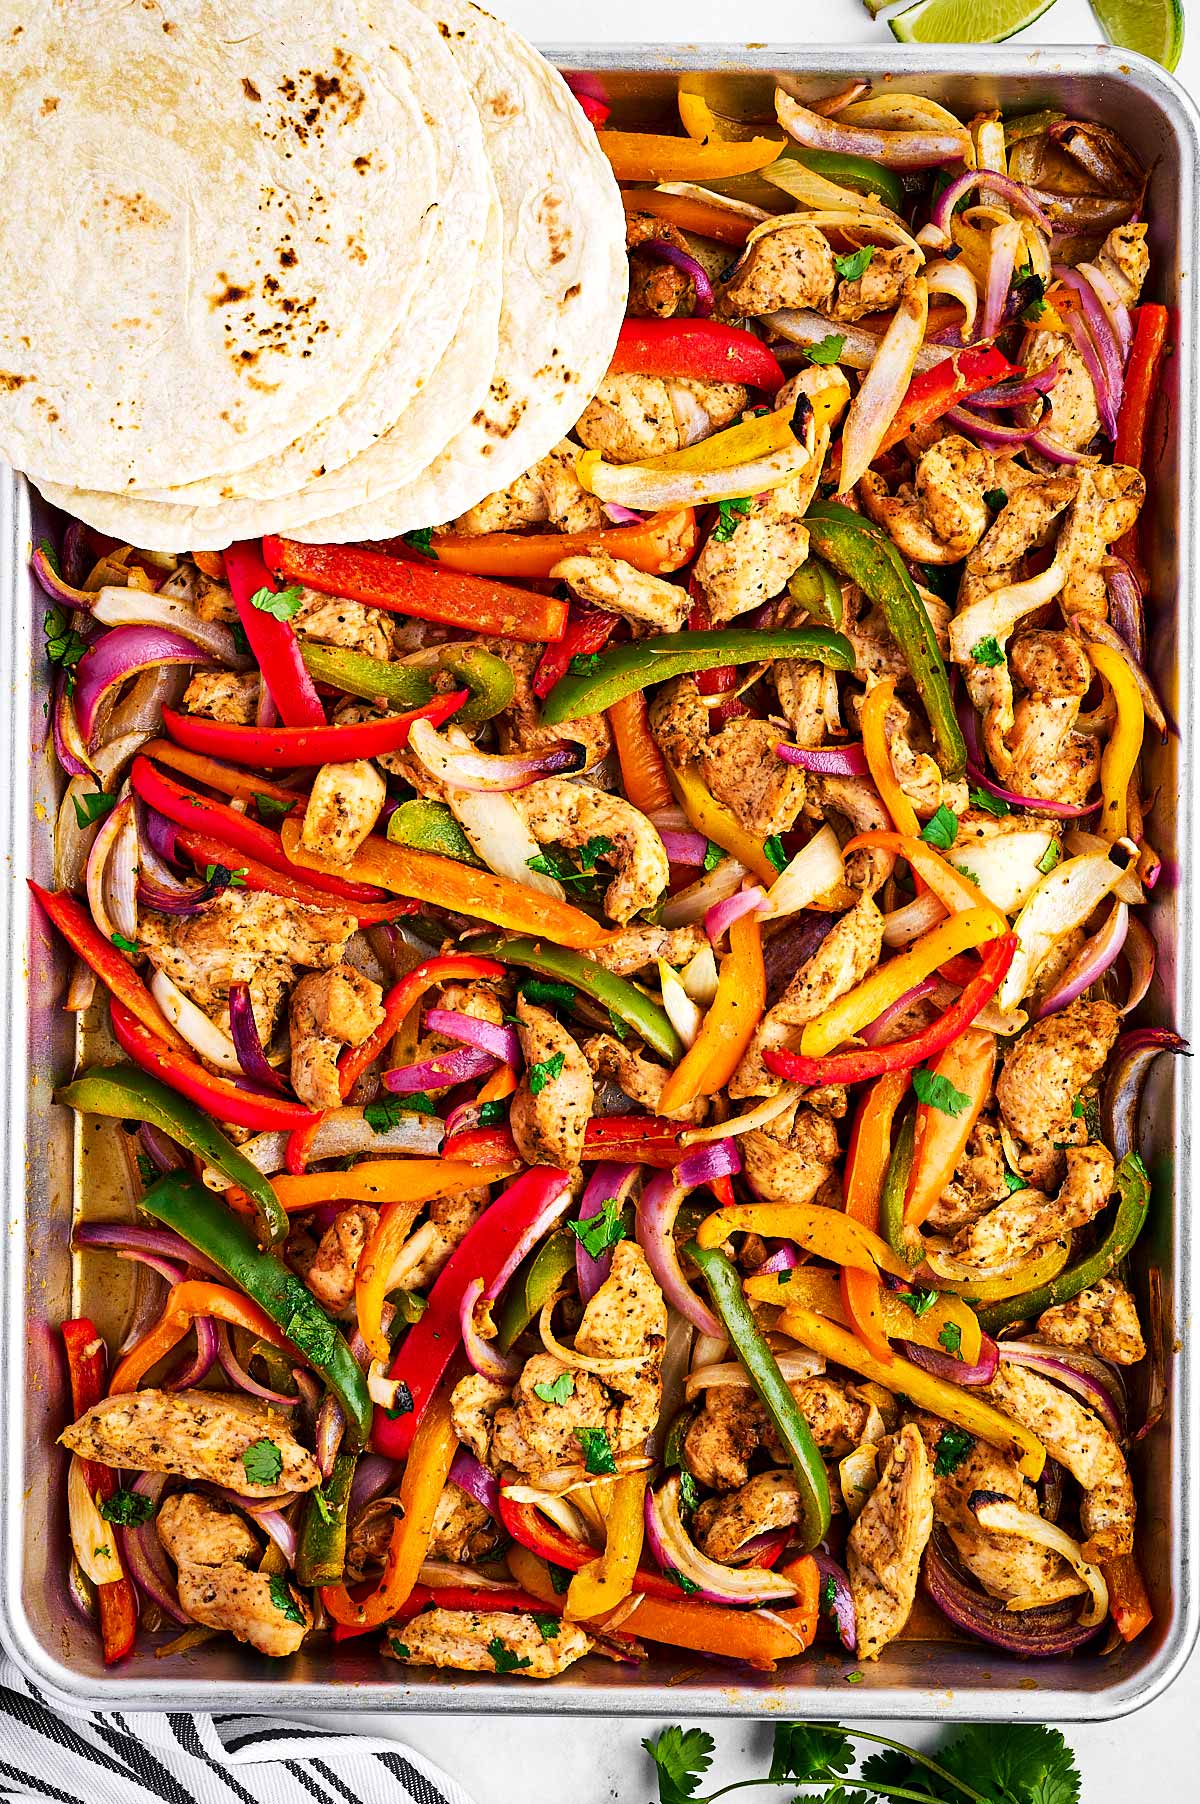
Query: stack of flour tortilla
{"x": 337, "y": 269}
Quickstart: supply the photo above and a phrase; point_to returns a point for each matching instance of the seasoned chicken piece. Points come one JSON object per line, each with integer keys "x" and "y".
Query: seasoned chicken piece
{"x": 548, "y": 492}
{"x": 198, "y": 1531}
{"x": 1107, "y": 504}
{"x": 553, "y": 1103}
{"x": 1044, "y": 1071}
{"x": 332, "y": 620}
{"x": 1026, "y": 1220}
{"x": 574, "y": 814}
{"x": 426, "y": 1251}
{"x": 740, "y": 569}
{"x": 1103, "y": 1319}
{"x": 627, "y": 1319}
{"x": 244, "y": 936}
{"x": 876, "y": 653}
{"x": 329, "y": 1010}
{"x": 808, "y": 700}
{"x": 255, "y": 1607}
{"x": 1049, "y": 759}
{"x": 461, "y": 1527}
{"x": 635, "y": 948}
{"x": 640, "y": 1078}
{"x": 1125, "y": 260}
{"x": 473, "y": 1405}
{"x": 634, "y": 417}
{"x": 538, "y": 1437}
{"x": 200, "y": 1435}
{"x": 789, "y": 1159}
{"x": 790, "y": 267}
{"x": 880, "y": 285}
{"x": 849, "y": 950}
{"x": 211, "y": 600}
{"x": 223, "y": 695}
{"x": 1075, "y": 420}
{"x": 978, "y": 1181}
{"x": 657, "y": 289}
{"x": 330, "y": 1277}
{"x": 486, "y": 1641}
{"x": 733, "y": 1425}
{"x": 1079, "y": 1441}
{"x": 917, "y": 770}
{"x": 943, "y": 515}
{"x": 343, "y": 806}
{"x": 767, "y": 1501}
{"x": 856, "y": 801}
{"x": 743, "y": 770}
{"x": 883, "y": 1553}
{"x": 520, "y": 725}
{"x": 617, "y": 587}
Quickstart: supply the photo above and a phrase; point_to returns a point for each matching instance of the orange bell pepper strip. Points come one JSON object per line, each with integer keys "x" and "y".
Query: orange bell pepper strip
{"x": 660, "y": 544}
{"x": 502, "y": 1083}
{"x": 941, "y": 1139}
{"x": 604, "y": 1583}
{"x": 872, "y": 718}
{"x": 111, "y": 967}
{"x": 813, "y": 1287}
{"x": 954, "y": 890}
{"x": 374, "y": 1268}
{"x": 443, "y": 882}
{"x": 426, "y": 1471}
{"x": 643, "y": 772}
{"x": 223, "y": 777}
{"x": 423, "y": 590}
{"x": 828, "y": 1232}
{"x": 704, "y": 218}
{"x": 382, "y": 1182}
{"x": 1128, "y": 1600}
{"x": 846, "y": 1017}
{"x": 718, "y": 823}
{"x": 212, "y": 563}
{"x": 729, "y": 1025}
{"x": 194, "y": 1297}
{"x": 866, "y": 1167}
{"x": 654, "y": 157}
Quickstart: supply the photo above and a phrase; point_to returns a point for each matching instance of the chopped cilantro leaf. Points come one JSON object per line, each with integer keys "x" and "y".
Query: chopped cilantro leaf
{"x": 919, "y": 1301}
{"x": 64, "y": 646}
{"x": 128, "y": 1509}
{"x": 773, "y": 847}
{"x": 492, "y": 1112}
{"x": 938, "y": 1092}
{"x": 556, "y": 1390}
{"x": 854, "y": 1677}
{"x": 51, "y": 556}
{"x": 418, "y": 1102}
{"x": 1049, "y": 858}
{"x": 853, "y": 266}
{"x": 92, "y": 807}
{"x": 272, "y": 808}
{"x": 618, "y": 1026}
{"x": 993, "y": 805}
{"x": 421, "y": 540}
{"x": 548, "y": 1627}
{"x": 262, "y": 1462}
{"x": 583, "y": 663}
{"x": 399, "y": 1648}
{"x": 827, "y": 350}
{"x": 965, "y": 870}
{"x": 560, "y": 1578}
{"x": 280, "y": 604}
{"x": 221, "y": 877}
{"x": 1013, "y": 1181}
{"x": 987, "y": 652}
{"x": 689, "y": 1492}
{"x": 147, "y": 1169}
{"x": 941, "y": 829}
{"x": 996, "y": 499}
{"x": 1077, "y": 1108}
{"x": 547, "y": 994}
{"x": 687, "y": 1585}
{"x": 383, "y": 1114}
{"x": 124, "y": 945}
{"x": 503, "y": 1658}
{"x": 545, "y": 1072}
{"x": 951, "y": 1337}
{"x": 713, "y": 854}
{"x": 602, "y": 1230}
{"x": 953, "y": 1446}
{"x": 731, "y": 514}
{"x": 597, "y": 1452}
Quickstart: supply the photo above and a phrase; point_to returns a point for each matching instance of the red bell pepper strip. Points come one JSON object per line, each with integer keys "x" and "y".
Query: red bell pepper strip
{"x": 530, "y": 1529}
{"x": 203, "y": 851}
{"x": 662, "y": 543}
{"x": 902, "y": 1055}
{"x": 588, "y": 630}
{"x": 272, "y": 641}
{"x": 1128, "y": 1599}
{"x": 430, "y": 1344}
{"x": 696, "y": 350}
{"x": 482, "y": 1146}
{"x": 596, "y": 110}
{"x": 1142, "y": 374}
{"x": 87, "y": 1368}
{"x": 932, "y": 392}
{"x": 291, "y": 748}
{"x": 111, "y": 967}
{"x": 218, "y": 1096}
{"x": 629, "y": 1139}
{"x": 422, "y": 590}
{"x": 237, "y": 832}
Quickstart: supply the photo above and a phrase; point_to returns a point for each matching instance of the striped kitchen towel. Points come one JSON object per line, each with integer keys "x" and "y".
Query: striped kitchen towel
{"x": 50, "y": 1751}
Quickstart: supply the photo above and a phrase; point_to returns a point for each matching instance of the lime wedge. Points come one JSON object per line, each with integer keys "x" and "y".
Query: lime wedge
{"x": 966, "y": 21}
{"x": 1153, "y": 27}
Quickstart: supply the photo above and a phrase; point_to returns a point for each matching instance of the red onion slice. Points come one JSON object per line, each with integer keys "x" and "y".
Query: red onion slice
{"x": 827, "y": 760}
{"x": 1034, "y": 804}
{"x": 894, "y": 149}
{"x": 836, "y": 1600}
{"x": 875, "y": 1032}
{"x": 55, "y": 585}
{"x": 1004, "y": 243}
{"x": 991, "y": 435}
{"x": 720, "y": 917}
{"x": 1055, "y": 452}
{"x": 1089, "y": 963}
{"x": 119, "y": 1235}
{"x": 1099, "y": 361}
{"x": 607, "y": 1180}
{"x": 1127, "y": 1071}
{"x": 1092, "y": 1380}
{"x": 374, "y": 1474}
{"x": 675, "y": 1551}
{"x": 499, "y": 1042}
{"x": 683, "y": 847}
{"x": 142, "y": 1554}
{"x": 202, "y": 1361}
{"x": 473, "y": 1477}
{"x": 110, "y": 848}
{"x": 1115, "y": 310}
{"x": 706, "y": 1164}
{"x": 784, "y": 1259}
{"x": 656, "y": 1214}
{"x": 439, "y": 1072}
{"x": 237, "y": 1374}
{"x": 120, "y": 654}
{"x": 622, "y": 516}
{"x": 1103, "y": 335}
{"x": 243, "y": 1031}
{"x": 1014, "y": 193}
{"x": 1019, "y": 391}
{"x": 1125, "y": 604}
{"x": 166, "y": 1268}
{"x": 1140, "y": 956}
{"x": 482, "y": 1355}
{"x": 487, "y": 770}
{"x": 667, "y": 252}
{"x": 943, "y": 1365}
{"x": 69, "y": 748}
{"x": 1045, "y": 1633}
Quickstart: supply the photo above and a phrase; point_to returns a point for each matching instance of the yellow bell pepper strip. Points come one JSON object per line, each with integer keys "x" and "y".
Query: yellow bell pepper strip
{"x": 718, "y": 823}
{"x": 941, "y": 1138}
{"x": 725, "y": 1288}
{"x": 374, "y": 1269}
{"x": 866, "y": 1167}
{"x": 185, "y": 1302}
{"x": 756, "y": 437}
{"x": 604, "y": 1583}
{"x": 663, "y": 543}
{"x": 426, "y": 1472}
{"x": 381, "y": 1181}
{"x": 871, "y": 719}
{"x": 812, "y": 1287}
{"x": 1041, "y": 1266}
{"x": 643, "y": 770}
{"x": 651, "y": 157}
{"x": 950, "y": 1401}
{"x": 646, "y": 485}
{"x": 846, "y": 1017}
{"x": 728, "y": 1027}
{"x": 952, "y": 887}
{"x": 446, "y": 884}
{"x": 815, "y": 1229}
{"x": 1120, "y": 756}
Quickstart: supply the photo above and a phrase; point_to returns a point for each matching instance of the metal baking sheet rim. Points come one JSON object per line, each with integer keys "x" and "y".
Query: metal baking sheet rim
{"x": 816, "y": 1687}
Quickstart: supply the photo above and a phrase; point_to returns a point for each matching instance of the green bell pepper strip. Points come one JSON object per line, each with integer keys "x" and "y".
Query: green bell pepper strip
{"x": 1030, "y": 125}
{"x": 204, "y": 1222}
{"x": 728, "y": 1299}
{"x": 622, "y": 669}
{"x": 864, "y": 554}
{"x": 617, "y": 994}
{"x": 1133, "y": 1188}
{"x": 321, "y": 1554}
{"x": 536, "y": 1280}
{"x": 815, "y": 587}
{"x": 132, "y": 1095}
{"x": 431, "y": 827}
{"x": 857, "y": 173}
{"x": 904, "y": 1241}
{"x": 404, "y": 686}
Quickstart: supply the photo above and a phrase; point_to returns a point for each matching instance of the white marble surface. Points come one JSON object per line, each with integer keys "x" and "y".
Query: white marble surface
{"x": 591, "y": 1759}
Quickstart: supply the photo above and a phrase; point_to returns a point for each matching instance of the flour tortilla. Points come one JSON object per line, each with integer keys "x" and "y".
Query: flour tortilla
{"x": 565, "y": 280}
{"x": 215, "y": 213}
